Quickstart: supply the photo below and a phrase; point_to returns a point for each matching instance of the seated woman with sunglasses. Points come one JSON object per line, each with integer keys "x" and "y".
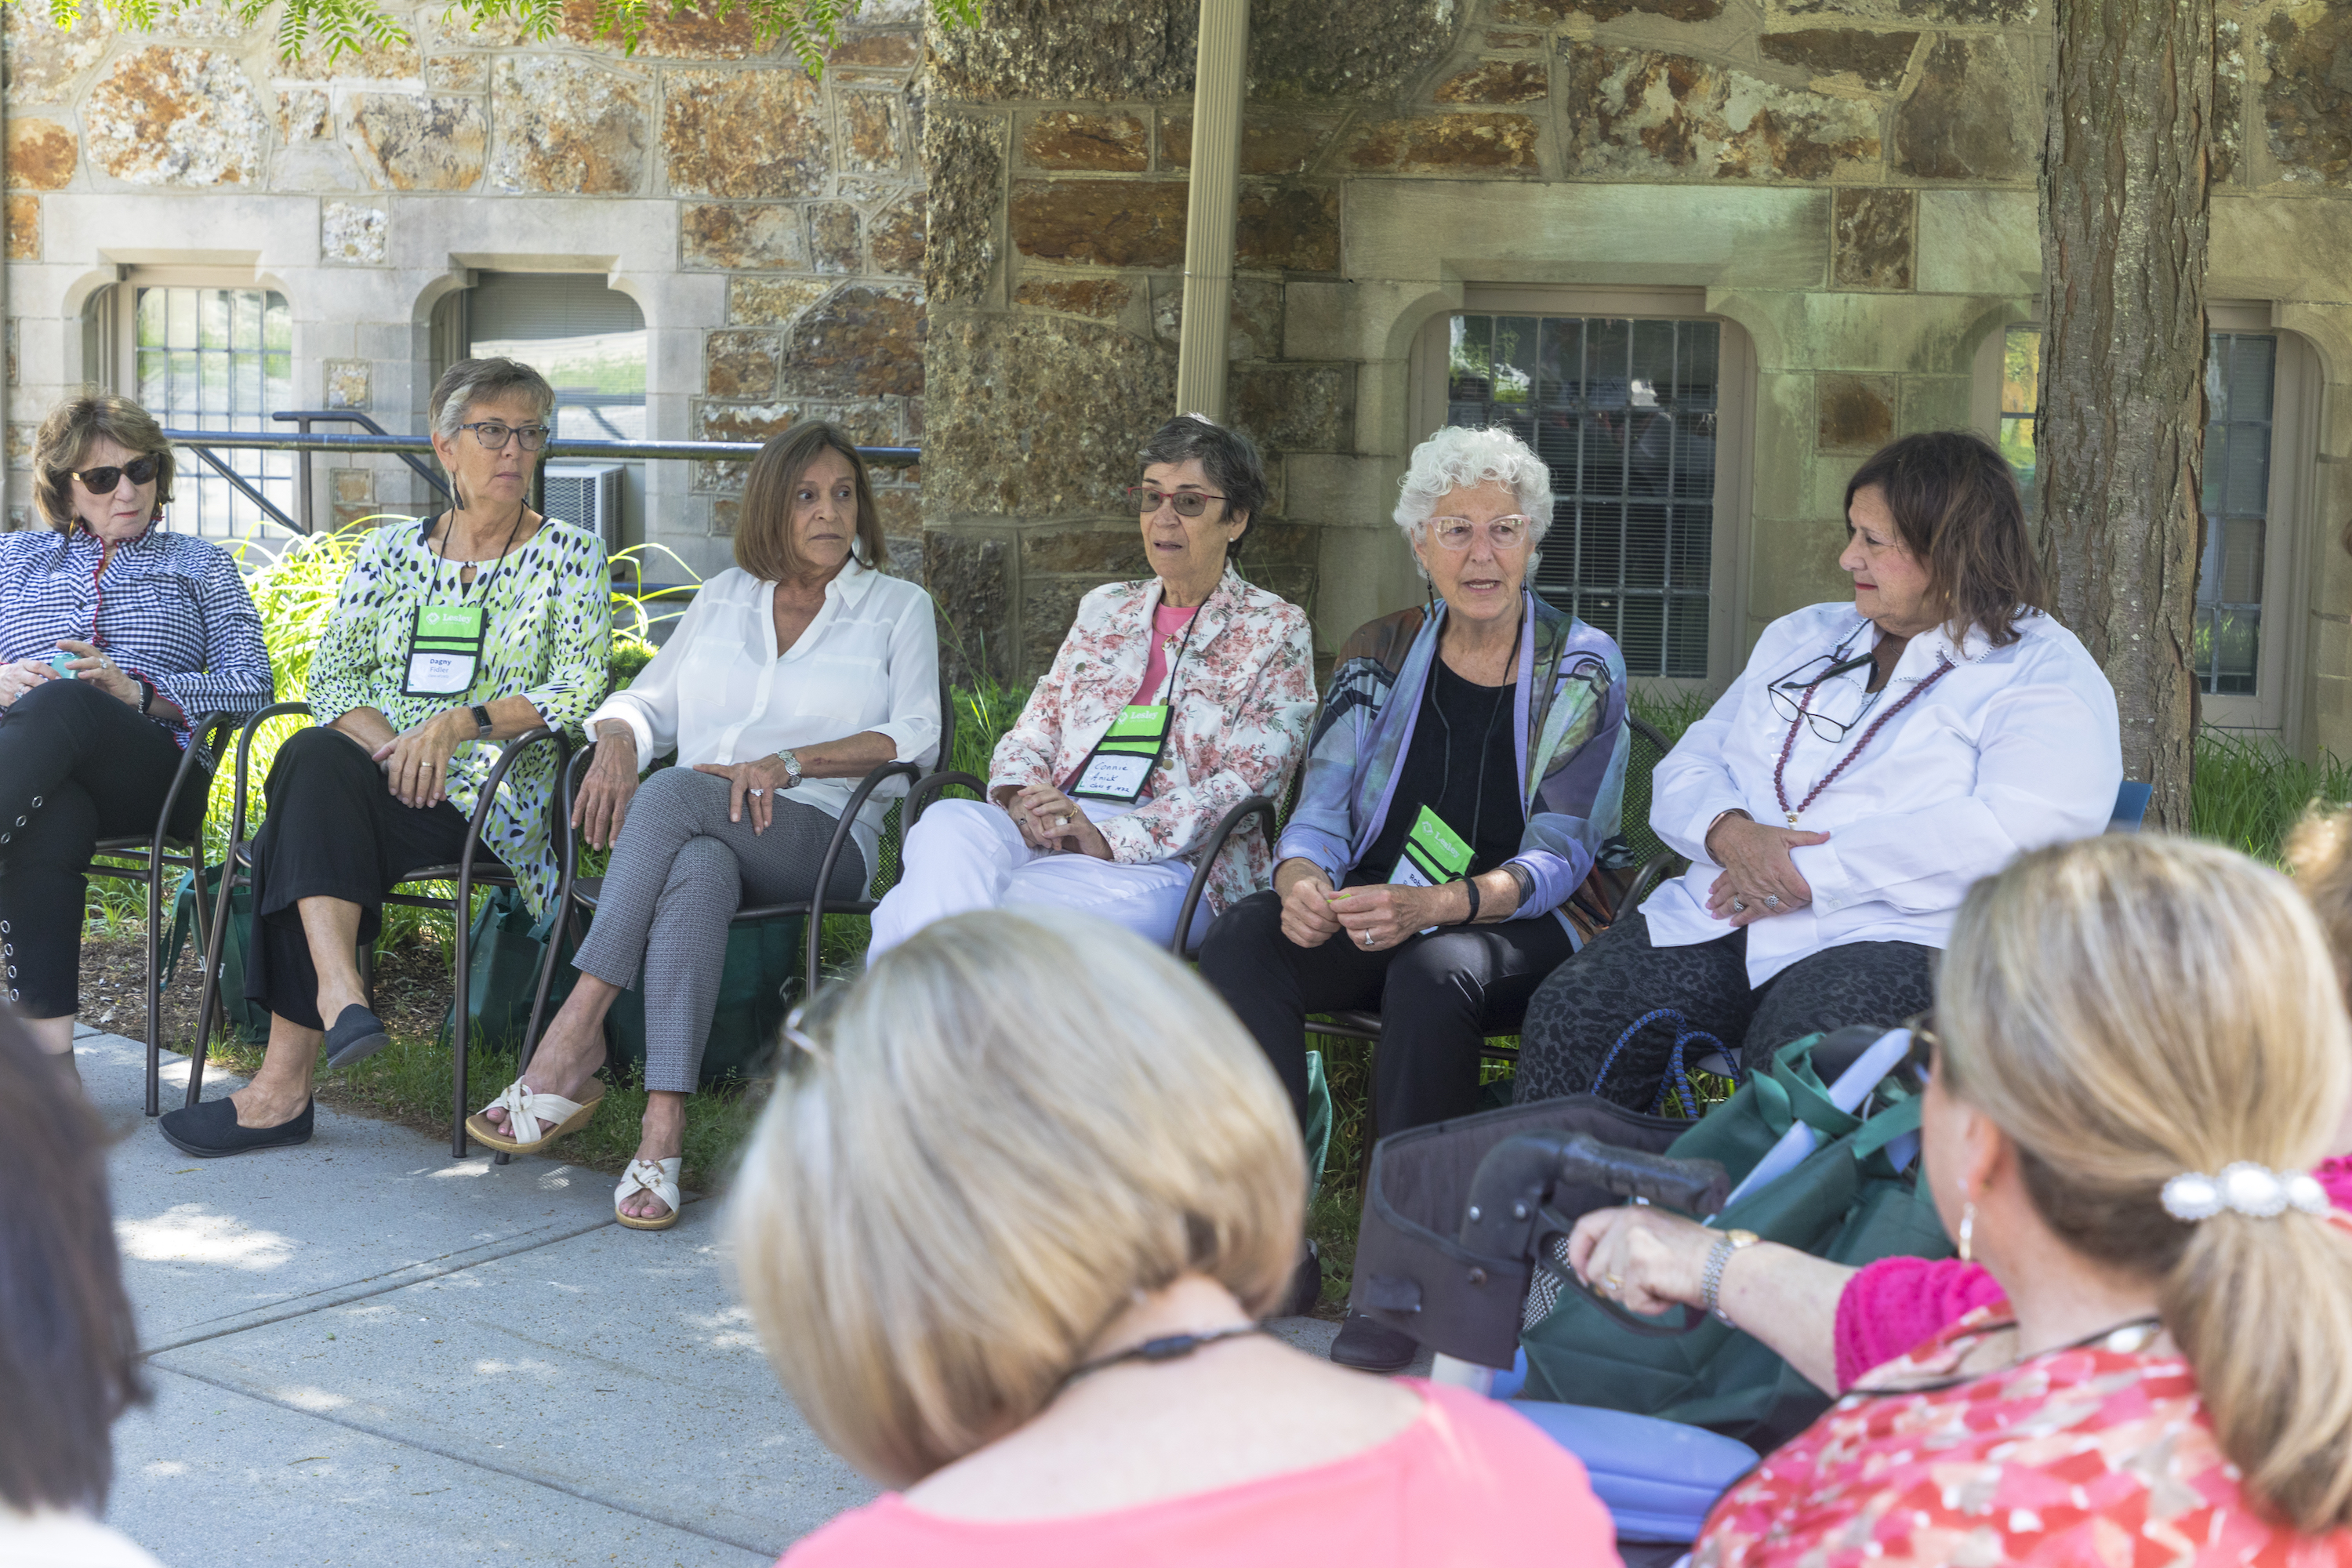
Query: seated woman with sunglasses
{"x": 2144, "y": 1063}
{"x": 1464, "y": 773}
{"x": 1873, "y": 760}
{"x": 115, "y": 638}
{"x": 1008, "y": 1231}
{"x": 791, "y": 678}
{"x": 449, "y": 635}
{"x": 1171, "y": 700}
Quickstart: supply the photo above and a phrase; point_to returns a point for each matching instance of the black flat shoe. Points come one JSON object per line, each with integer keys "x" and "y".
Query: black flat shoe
{"x": 1369, "y": 1345}
{"x": 358, "y": 1034}
{"x": 209, "y": 1130}
{"x": 1305, "y": 1285}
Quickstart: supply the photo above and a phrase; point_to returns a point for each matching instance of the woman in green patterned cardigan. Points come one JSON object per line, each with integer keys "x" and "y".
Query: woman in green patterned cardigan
{"x": 450, "y": 636}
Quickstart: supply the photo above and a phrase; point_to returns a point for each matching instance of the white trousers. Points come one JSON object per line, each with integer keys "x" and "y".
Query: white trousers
{"x": 967, "y": 855}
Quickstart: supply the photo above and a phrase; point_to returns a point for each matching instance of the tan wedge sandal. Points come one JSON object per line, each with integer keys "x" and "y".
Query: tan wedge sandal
{"x": 533, "y": 1119}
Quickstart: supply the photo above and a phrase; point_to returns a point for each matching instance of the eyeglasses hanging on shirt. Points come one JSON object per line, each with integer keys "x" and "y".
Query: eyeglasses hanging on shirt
{"x": 1793, "y": 694}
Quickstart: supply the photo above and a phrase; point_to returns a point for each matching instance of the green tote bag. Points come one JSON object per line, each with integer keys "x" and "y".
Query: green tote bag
{"x": 1845, "y": 1203}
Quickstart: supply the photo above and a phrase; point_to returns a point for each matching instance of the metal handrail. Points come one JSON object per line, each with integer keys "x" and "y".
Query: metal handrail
{"x": 203, "y": 442}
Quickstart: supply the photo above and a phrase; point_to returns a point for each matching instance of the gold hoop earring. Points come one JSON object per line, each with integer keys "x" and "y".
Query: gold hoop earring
{"x": 1968, "y": 1229}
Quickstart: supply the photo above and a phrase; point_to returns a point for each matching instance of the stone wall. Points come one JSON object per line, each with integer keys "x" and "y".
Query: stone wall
{"x": 770, "y": 227}
{"x": 1849, "y": 184}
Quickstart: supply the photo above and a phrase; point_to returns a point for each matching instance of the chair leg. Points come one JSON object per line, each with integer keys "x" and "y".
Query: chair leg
{"x": 460, "y": 1036}
{"x": 154, "y": 991}
{"x": 209, "y": 1008}
{"x": 1371, "y": 1133}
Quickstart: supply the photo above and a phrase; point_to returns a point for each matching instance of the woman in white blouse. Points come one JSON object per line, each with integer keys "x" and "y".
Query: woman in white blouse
{"x": 1873, "y": 760}
{"x": 790, "y": 678}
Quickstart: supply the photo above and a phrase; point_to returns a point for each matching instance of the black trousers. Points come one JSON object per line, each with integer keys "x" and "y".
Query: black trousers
{"x": 333, "y": 831}
{"x": 1438, "y": 997}
{"x": 1588, "y": 1005}
{"x": 76, "y": 766}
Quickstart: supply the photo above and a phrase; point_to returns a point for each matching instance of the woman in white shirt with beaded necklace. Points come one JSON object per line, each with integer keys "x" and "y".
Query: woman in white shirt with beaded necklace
{"x": 791, "y": 678}
{"x": 1873, "y": 760}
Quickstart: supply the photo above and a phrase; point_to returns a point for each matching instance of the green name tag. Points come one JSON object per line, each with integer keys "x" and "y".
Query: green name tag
{"x": 450, "y": 624}
{"x": 1434, "y": 853}
{"x": 1139, "y": 729}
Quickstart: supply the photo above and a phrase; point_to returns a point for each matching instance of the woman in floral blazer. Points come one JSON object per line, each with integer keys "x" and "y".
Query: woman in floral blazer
{"x": 1172, "y": 700}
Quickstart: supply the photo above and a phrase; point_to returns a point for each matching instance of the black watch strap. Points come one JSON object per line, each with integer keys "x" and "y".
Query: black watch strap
{"x": 482, "y": 725}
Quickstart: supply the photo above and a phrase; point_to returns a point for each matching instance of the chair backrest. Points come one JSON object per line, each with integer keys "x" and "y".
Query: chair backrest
{"x": 1649, "y": 748}
{"x": 947, "y": 724}
{"x": 2131, "y": 806}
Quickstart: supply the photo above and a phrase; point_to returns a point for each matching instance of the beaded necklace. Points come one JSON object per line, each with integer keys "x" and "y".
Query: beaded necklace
{"x": 1944, "y": 667}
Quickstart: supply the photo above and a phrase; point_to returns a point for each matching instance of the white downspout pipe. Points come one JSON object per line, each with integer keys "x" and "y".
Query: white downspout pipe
{"x": 1220, "y": 77}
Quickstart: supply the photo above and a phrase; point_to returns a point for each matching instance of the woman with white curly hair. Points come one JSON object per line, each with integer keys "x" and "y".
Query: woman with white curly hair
{"x": 1462, "y": 776}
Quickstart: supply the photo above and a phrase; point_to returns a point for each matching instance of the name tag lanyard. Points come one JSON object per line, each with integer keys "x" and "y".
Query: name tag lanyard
{"x": 1407, "y": 872}
{"x": 1122, "y": 761}
{"x": 444, "y": 640}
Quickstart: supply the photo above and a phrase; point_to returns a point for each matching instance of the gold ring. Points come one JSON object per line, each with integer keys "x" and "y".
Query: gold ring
{"x": 1615, "y": 1283}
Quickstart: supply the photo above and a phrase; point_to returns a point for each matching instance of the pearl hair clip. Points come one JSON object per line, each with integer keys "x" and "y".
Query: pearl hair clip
{"x": 2255, "y": 1191}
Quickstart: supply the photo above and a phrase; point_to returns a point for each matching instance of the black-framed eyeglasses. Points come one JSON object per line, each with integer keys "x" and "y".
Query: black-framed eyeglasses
{"x": 1788, "y": 694}
{"x": 493, "y": 435}
{"x": 1147, "y": 498}
{"x": 102, "y": 481}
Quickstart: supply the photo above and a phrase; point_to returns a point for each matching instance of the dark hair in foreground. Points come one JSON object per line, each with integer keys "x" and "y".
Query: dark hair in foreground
{"x": 69, "y": 1350}
{"x": 1956, "y": 505}
{"x": 764, "y": 545}
{"x": 1228, "y": 457}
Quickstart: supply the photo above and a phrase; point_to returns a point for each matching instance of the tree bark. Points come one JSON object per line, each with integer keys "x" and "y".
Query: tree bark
{"x": 2120, "y": 434}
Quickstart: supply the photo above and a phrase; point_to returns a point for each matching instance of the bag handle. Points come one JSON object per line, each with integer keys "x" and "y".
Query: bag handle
{"x": 1676, "y": 1073}
{"x": 1807, "y": 1100}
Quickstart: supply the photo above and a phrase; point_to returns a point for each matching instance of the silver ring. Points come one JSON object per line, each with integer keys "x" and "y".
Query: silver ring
{"x": 1738, "y": 908}
{"x": 1063, "y": 821}
{"x": 758, "y": 792}
{"x": 1771, "y": 900}
{"x": 1368, "y": 939}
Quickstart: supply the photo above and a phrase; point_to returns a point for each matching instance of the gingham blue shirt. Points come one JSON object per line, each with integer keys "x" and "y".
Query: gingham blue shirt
{"x": 170, "y": 607}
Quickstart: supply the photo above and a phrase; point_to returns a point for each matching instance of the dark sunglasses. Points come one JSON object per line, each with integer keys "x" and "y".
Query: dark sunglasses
{"x": 102, "y": 481}
{"x": 1188, "y": 503}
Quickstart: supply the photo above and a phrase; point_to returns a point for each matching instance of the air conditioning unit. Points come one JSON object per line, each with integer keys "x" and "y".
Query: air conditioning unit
{"x": 588, "y": 495}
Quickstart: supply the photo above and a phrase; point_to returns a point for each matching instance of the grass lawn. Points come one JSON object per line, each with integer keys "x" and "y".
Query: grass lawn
{"x": 2248, "y": 793}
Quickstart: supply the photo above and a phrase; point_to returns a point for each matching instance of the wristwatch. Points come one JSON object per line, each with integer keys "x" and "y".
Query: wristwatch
{"x": 1729, "y": 1242}
{"x": 791, "y": 768}
{"x": 482, "y": 725}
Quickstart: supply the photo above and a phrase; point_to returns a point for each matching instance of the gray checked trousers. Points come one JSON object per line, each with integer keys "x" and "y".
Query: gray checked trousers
{"x": 679, "y": 871}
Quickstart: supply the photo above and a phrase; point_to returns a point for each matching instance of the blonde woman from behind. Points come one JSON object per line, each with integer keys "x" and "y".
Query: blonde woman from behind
{"x": 1021, "y": 1148}
{"x": 2143, "y": 1054}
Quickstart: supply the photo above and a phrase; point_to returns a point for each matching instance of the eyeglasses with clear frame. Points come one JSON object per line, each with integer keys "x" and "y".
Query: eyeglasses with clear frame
{"x": 1456, "y": 533}
{"x": 493, "y": 435}
{"x": 1788, "y": 693}
{"x": 1147, "y": 499}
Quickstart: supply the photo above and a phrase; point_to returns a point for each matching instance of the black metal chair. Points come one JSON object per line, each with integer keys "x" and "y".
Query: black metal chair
{"x": 577, "y": 894}
{"x": 469, "y": 873}
{"x": 149, "y": 859}
{"x": 1640, "y": 848}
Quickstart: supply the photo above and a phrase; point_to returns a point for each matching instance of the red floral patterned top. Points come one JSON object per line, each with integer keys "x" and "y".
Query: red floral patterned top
{"x": 2098, "y": 1455}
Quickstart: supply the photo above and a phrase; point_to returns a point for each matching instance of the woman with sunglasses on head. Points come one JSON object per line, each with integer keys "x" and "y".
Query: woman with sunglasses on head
{"x": 1873, "y": 761}
{"x": 792, "y": 676}
{"x": 1172, "y": 700}
{"x": 115, "y": 638}
{"x": 2139, "y": 1074}
{"x": 1464, "y": 773}
{"x": 450, "y": 635}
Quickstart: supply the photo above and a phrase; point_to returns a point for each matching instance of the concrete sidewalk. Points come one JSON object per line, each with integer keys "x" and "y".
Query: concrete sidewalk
{"x": 364, "y": 1352}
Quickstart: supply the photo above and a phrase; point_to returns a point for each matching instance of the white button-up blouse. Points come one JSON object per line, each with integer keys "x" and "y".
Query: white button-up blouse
{"x": 718, "y": 692}
{"x": 2018, "y": 747}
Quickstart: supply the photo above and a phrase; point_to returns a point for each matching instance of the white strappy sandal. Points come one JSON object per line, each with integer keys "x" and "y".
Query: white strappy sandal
{"x": 659, "y": 1177}
{"x": 534, "y": 1121}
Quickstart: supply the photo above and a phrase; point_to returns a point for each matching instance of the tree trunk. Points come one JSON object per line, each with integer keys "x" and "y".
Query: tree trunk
{"x": 2120, "y": 434}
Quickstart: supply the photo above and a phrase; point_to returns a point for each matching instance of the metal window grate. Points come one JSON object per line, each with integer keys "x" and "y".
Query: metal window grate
{"x": 218, "y": 358}
{"x": 2239, "y": 371}
{"x": 1625, "y": 411}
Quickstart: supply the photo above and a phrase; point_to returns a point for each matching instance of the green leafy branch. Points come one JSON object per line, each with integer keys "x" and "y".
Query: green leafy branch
{"x": 336, "y": 27}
